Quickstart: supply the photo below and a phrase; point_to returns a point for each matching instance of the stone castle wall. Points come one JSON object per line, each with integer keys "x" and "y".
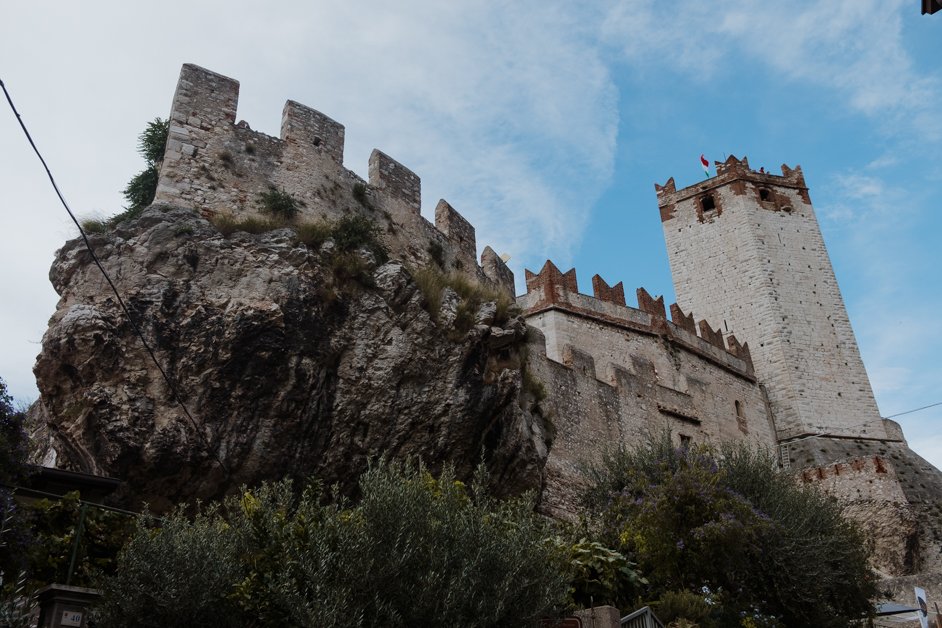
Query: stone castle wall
{"x": 746, "y": 252}
{"x": 613, "y": 374}
{"x": 610, "y": 372}
{"x": 220, "y": 166}
{"x": 751, "y": 261}
{"x": 893, "y": 493}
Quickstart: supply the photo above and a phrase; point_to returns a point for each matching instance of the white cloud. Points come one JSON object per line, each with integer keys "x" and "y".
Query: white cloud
{"x": 879, "y": 225}
{"x": 852, "y": 47}
{"x": 505, "y": 109}
{"x": 518, "y": 132}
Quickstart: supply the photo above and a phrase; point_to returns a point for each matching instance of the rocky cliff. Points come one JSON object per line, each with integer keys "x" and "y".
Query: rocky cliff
{"x": 293, "y": 359}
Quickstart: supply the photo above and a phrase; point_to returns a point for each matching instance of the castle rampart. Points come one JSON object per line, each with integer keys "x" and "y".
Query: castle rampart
{"x": 552, "y": 290}
{"x": 219, "y": 166}
{"x": 746, "y": 255}
{"x": 613, "y": 373}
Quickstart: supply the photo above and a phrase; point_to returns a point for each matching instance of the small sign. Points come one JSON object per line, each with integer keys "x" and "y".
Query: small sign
{"x": 71, "y": 618}
{"x": 923, "y": 611}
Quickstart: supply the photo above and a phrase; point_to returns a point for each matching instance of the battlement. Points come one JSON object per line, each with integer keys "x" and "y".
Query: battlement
{"x": 867, "y": 465}
{"x": 219, "y": 166}
{"x": 768, "y": 189}
{"x": 551, "y": 289}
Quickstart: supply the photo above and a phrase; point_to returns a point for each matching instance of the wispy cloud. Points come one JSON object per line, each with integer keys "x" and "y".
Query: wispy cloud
{"x": 852, "y": 47}
{"x": 505, "y": 109}
{"x": 517, "y": 131}
{"x": 899, "y": 338}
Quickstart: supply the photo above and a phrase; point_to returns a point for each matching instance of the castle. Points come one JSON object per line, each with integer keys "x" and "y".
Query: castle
{"x": 758, "y": 348}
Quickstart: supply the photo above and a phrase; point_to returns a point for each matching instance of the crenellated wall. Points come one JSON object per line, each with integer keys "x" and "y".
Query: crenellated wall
{"x": 220, "y": 166}
{"x": 551, "y": 291}
{"x": 613, "y": 373}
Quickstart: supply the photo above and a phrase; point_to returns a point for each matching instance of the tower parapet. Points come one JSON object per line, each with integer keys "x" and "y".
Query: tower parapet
{"x": 221, "y": 167}
{"x": 770, "y": 191}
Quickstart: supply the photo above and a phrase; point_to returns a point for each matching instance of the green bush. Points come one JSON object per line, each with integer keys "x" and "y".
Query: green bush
{"x": 54, "y": 525}
{"x": 355, "y": 232}
{"x": 141, "y": 189}
{"x": 180, "y": 574}
{"x": 279, "y": 204}
{"x": 14, "y": 529}
{"x": 414, "y": 551}
{"x": 313, "y": 234}
{"x": 601, "y": 575}
{"x": 437, "y": 252}
{"x": 360, "y": 195}
{"x": 683, "y": 605}
{"x": 432, "y": 283}
{"x": 726, "y": 522}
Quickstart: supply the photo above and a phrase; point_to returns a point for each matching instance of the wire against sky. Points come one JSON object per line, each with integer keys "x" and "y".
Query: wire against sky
{"x": 931, "y": 405}
{"x": 173, "y": 391}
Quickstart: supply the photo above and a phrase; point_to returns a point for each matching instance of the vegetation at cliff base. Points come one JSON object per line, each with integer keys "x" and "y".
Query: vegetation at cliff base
{"x": 413, "y": 551}
{"x": 14, "y": 534}
{"x": 724, "y": 526}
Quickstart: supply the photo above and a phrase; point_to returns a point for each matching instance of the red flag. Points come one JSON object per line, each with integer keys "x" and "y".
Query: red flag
{"x": 705, "y": 164}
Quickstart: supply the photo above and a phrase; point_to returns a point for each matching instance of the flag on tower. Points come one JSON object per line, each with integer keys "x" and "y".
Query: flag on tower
{"x": 705, "y": 164}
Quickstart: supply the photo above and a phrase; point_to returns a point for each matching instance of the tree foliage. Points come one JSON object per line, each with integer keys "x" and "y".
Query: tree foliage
{"x": 723, "y": 523}
{"x": 14, "y": 533}
{"x": 55, "y": 524}
{"x": 141, "y": 189}
{"x": 414, "y": 551}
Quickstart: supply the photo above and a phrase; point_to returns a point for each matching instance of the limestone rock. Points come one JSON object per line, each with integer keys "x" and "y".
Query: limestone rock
{"x": 284, "y": 368}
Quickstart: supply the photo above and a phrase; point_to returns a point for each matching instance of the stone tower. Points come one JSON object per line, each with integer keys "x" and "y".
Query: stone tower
{"x": 746, "y": 252}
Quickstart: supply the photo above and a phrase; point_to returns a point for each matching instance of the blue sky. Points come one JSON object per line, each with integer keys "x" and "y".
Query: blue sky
{"x": 545, "y": 123}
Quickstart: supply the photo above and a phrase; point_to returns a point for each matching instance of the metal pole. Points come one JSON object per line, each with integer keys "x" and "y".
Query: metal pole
{"x": 75, "y": 543}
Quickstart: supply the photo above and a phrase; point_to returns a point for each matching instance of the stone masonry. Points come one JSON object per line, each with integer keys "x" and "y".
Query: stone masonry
{"x": 221, "y": 167}
{"x": 746, "y": 252}
{"x": 773, "y": 361}
{"x": 614, "y": 373}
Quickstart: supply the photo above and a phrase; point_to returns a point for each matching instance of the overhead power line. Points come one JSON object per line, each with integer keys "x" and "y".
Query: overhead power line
{"x": 127, "y": 313}
{"x": 931, "y": 405}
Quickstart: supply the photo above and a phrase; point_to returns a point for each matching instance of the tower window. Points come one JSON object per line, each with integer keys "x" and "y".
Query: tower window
{"x": 707, "y": 203}
{"x": 765, "y": 194}
{"x": 741, "y": 418}
{"x": 685, "y": 441}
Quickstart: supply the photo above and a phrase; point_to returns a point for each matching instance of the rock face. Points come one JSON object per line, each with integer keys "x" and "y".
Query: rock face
{"x": 289, "y": 361}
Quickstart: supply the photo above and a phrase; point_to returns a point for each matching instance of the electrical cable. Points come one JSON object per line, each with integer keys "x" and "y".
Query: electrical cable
{"x": 931, "y": 405}
{"x": 32, "y": 492}
{"x": 127, "y": 313}
{"x": 824, "y": 434}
